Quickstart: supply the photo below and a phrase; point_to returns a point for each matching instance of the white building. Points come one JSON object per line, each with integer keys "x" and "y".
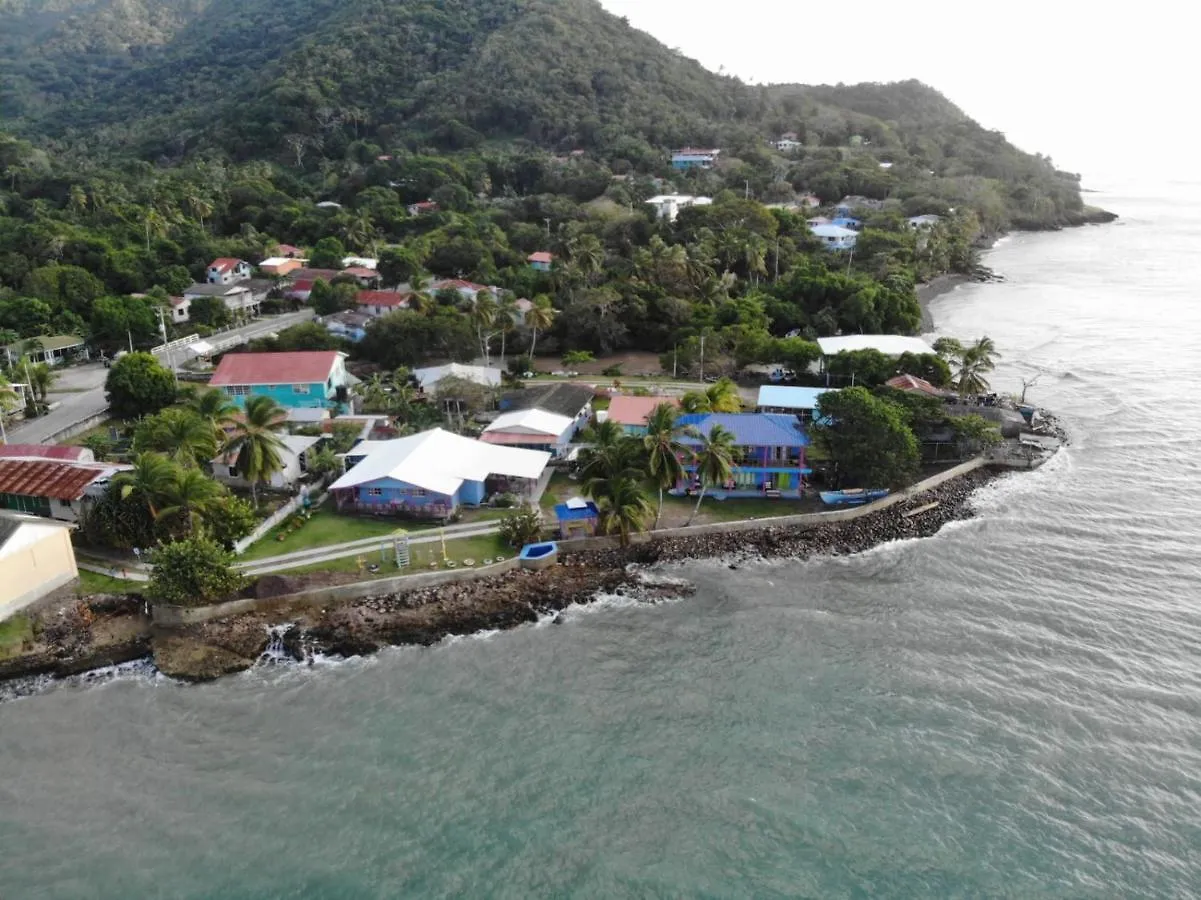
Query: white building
{"x": 486, "y": 376}
{"x": 294, "y": 456}
{"x": 36, "y": 558}
{"x": 228, "y": 270}
{"x": 835, "y": 237}
{"x": 888, "y": 344}
{"x": 668, "y": 206}
{"x": 533, "y": 429}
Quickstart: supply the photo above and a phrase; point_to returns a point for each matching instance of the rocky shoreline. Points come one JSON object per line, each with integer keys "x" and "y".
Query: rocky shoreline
{"x": 107, "y": 631}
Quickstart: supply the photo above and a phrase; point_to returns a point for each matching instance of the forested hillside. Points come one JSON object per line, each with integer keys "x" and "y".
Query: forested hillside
{"x": 146, "y": 137}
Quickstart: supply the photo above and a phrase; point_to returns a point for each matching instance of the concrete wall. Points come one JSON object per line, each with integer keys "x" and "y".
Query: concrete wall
{"x": 76, "y": 428}
{"x": 174, "y": 616}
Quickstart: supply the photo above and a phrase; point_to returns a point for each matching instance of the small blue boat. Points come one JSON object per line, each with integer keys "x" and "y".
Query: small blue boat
{"x": 853, "y": 496}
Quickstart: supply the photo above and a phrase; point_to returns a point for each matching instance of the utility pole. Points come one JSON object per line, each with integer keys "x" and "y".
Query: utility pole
{"x": 547, "y": 221}
{"x": 675, "y": 361}
{"x": 129, "y": 334}
{"x": 702, "y": 359}
{"x": 776, "y": 276}
{"x": 747, "y": 196}
{"x": 162, "y": 325}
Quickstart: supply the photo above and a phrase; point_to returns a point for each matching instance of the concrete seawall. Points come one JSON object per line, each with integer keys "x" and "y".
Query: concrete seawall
{"x": 179, "y": 616}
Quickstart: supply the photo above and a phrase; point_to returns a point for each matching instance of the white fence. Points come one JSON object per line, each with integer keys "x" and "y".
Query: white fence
{"x": 273, "y": 520}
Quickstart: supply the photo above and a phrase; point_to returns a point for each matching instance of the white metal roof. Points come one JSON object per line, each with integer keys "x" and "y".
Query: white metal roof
{"x": 834, "y": 231}
{"x": 274, "y": 261}
{"x": 531, "y": 421}
{"x": 363, "y": 262}
{"x": 440, "y": 461}
{"x": 888, "y": 344}
{"x": 484, "y": 375}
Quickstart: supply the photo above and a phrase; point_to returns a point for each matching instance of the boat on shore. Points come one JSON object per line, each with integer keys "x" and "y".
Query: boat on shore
{"x": 853, "y": 496}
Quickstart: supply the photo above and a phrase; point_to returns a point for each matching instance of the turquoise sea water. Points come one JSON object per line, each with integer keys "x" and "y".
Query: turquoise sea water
{"x": 1009, "y": 709}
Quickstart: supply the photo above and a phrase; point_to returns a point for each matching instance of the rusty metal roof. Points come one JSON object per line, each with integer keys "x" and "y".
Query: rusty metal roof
{"x": 43, "y": 478}
{"x": 46, "y": 451}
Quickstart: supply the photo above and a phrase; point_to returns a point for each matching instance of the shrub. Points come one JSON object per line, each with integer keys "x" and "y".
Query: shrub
{"x": 521, "y": 527}
{"x": 193, "y": 572}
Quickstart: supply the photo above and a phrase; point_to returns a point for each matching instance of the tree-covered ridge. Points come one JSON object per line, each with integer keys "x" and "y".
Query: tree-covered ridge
{"x": 284, "y": 80}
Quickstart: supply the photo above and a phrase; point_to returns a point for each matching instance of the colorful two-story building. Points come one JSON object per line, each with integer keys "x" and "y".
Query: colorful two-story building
{"x": 311, "y": 378}
{"x": 694, "y": 158}
{"x": 769, "y": 454}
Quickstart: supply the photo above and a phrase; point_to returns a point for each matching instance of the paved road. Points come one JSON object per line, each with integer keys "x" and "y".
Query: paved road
{"x": 79, "y": 390}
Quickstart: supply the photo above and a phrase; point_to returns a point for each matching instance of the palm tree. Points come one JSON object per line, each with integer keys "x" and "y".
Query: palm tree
{"x": 975, "y": 363}
{"x": 100, "y": 446}
{"x": 721, "y": 396}
{"x": 540, "y": 318}
{"x": 190, "y": 496}
{"x": 664, "y": 449}
{"x": 148, "y": 481}
{"x": 212, "y": 405}
{"x": 359, "y": 230}
{"x": 254, "y": 441}
{"x": 483, "y": 315}
{"x": 587, "y": 254}
{"x": 9, "y": 399}
{"x": 200, "y": 208}
{"x": 41, "y": 379}
{"x": 180, "y": 435}
{"x": 506, "y": 318}
{"x": 714, "y": 462}
{"x": 623, "y": 508}
{"x": 324, "y": 462}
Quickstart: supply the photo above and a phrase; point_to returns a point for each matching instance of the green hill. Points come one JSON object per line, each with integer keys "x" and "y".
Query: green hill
{"x": 294, "y": 79}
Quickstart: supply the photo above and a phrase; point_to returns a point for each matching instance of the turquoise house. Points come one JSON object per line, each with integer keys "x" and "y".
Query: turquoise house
{"x": 295, "y": 380}
{"x": 769, "y": 456}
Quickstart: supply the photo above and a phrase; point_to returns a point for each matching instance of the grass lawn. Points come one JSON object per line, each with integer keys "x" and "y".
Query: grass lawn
{"x": 328, "y": 527}
{"x": 101, "y": 429}
{"x": 559, "y": 489}
{"x": 13, "y": 633}
{"x": 94, "y": 583}
{"x": 736, "y": 508}
{"x": 488, "y": 546}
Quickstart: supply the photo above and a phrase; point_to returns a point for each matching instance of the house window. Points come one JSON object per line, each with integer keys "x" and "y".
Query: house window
{"x": 375, "y": 492}
{"x": 418, "y": 492}
{"x": 238, "y": 390}
{"x": 300, "y": 389}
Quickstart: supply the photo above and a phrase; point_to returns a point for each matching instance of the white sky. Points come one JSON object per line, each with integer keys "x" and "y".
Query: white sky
{"x": 1096, "y": 86}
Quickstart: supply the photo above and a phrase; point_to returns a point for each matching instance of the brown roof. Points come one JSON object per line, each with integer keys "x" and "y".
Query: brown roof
{"x": 913, "y": 383}
{"x": 45, "y": 478}
{"x": 45, "y": 451}
{"x": 636, "y": 410}
{"x": 382, "y": 298}
{"x": 541, "y": 257}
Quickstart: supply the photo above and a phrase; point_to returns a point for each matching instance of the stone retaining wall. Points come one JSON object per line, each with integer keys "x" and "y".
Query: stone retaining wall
{"x": 176, "y": 616}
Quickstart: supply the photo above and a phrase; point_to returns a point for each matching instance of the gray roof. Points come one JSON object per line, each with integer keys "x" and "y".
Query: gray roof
{"x": 214, "y": 290}
{"x": 563, "y": 399}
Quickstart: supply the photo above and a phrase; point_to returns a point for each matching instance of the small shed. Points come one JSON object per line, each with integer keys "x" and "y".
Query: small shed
{"x": 577, "y": 517}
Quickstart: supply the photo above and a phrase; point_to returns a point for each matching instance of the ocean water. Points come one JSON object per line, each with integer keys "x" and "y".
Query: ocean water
{"x": 1009, "y": 709}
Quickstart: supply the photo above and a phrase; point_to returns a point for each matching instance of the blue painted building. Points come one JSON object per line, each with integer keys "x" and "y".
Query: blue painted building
{"x": 694, "y": 158}
{"x": 433, "y": 474}
{"x": 795, "y": 401}
{"x": 293, "y": 380}
{"x": 769, "y": 457}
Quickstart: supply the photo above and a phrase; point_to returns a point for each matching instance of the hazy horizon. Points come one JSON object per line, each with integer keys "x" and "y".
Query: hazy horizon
{"x": 1052, "y": 80}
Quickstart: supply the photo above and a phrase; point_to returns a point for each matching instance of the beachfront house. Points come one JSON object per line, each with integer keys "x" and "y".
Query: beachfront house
{"x": 52, "y": 488}
{"x": 835, "y": 237}
{"x": 769, "y": 455}
{"x": 795, "y": 401}
{"x": 295, "y": 379}
{"x": 894, "y": 345}
{"x": 631, "y": 413}
{"x": 432, "y": 474}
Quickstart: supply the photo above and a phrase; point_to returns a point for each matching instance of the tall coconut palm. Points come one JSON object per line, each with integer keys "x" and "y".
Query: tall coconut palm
{"x": 540, "y": 318}
{"x": 506, "y": 318}
{"x": 9, "y": 400}
{"x": 147, "y": 482}
{"x": 188, "y": 498}
{"x": 587, "y": 254}
{"x": 623, "y": 508}
{"x": 975, "y": 363}
{"x": 721, "y": 396}
{"x": 253, "y": 440}
{"x": 180, "y": 435}
{"x": 212, "y": 405}
{"x": 664, "y": 449}
{"x": 714, "y": 462}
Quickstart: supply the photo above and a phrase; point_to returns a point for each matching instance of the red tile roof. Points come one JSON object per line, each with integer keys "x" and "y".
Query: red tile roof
{"x": 634, "y": 410}
{"x": 44, "y": 451}
{"x": 301, "y": 367}
{"x": 224, "y": 264}
{"x": 314, "y": 274}
{"x": 361, "y": 272}
{"x": 45, "y": 478}
{"x": 288, "y": 250}
{"x": 382, "y": 298}
{"x": 541, "y": 257}
{"x": 300, "y": 286}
